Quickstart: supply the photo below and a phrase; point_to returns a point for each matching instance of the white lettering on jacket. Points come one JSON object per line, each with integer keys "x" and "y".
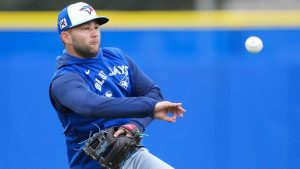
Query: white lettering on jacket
{"x": 117, "y": 70}
{"x": 99, "y": 83}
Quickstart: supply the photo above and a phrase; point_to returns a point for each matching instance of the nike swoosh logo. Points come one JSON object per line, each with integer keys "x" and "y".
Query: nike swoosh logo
{"x": 87, "y": 72}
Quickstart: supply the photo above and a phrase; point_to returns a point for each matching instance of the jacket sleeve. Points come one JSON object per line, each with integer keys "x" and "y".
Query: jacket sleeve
{"x": 71, "y": 91}
{"x": 143, "y": 86}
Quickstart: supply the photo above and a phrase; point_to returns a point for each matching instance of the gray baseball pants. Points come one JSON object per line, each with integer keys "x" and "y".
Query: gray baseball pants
{"x": 143, "y": 159}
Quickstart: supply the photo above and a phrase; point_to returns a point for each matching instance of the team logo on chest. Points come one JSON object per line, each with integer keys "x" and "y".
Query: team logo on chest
{"x": 120, "y": 70}
{"x": 125, "y": 81}
{"x": 122, "y": 80}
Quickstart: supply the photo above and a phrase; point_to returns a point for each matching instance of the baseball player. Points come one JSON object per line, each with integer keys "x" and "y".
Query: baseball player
{"x": 102, "y": 87}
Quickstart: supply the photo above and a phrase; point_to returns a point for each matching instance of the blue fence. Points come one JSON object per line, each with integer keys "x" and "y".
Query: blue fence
{"x": 242, "y": 109}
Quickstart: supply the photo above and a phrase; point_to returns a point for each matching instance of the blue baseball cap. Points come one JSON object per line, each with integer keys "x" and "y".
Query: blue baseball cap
{"x": 76, "y": 14}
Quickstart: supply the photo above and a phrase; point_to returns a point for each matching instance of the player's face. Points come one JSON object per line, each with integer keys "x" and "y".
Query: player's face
{"x": 85, "y": 39}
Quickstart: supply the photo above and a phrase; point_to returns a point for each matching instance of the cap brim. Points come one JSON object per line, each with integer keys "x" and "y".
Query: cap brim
{"x": 101, "y": 20}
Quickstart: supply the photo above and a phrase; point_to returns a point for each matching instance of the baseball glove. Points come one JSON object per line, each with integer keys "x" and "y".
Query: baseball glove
{"x": 111, "y": 151}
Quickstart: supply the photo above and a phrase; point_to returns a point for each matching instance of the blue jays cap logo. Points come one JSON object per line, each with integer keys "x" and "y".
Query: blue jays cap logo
{"x": 63, "y": 23}
{"x": 87, "y": 8}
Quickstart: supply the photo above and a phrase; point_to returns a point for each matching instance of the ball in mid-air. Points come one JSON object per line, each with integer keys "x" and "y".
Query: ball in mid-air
{"x": 254, "y": 44}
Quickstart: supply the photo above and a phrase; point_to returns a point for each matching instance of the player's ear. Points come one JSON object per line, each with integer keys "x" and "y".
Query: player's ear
{"x": 65, "y": 37}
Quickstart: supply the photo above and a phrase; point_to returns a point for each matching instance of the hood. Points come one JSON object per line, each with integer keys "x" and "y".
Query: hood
{"x": 68, "y": 59}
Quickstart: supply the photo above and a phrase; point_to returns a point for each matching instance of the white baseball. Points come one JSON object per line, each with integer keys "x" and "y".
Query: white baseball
{"x": 254, "y": 44}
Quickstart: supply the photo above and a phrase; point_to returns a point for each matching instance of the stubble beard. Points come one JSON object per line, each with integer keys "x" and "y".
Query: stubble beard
{"x": 84, "y": 50}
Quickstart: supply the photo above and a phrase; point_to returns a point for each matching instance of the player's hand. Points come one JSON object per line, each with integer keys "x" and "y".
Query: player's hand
{"x": 162, "y": 109}
{"x": 122, "y": 131}
{"x": 129, "y": 130}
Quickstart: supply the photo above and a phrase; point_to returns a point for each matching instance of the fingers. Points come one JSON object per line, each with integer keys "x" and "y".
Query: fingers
{"x": 174, "y": 117}
{"x": 181, "y": 109}
{"x": 178, "y": 110}
{"x": 162, "y": 110}
{"x": 119, "y": 132}
{"x": 169, "y": 119}
{"x": 175, "y": 104}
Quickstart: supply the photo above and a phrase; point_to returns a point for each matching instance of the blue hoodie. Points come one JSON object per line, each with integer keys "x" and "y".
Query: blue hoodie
{"x": 108, "y": 90}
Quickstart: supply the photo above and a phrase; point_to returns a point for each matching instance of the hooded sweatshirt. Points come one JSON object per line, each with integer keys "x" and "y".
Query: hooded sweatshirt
{"x": 108, "y": 90}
